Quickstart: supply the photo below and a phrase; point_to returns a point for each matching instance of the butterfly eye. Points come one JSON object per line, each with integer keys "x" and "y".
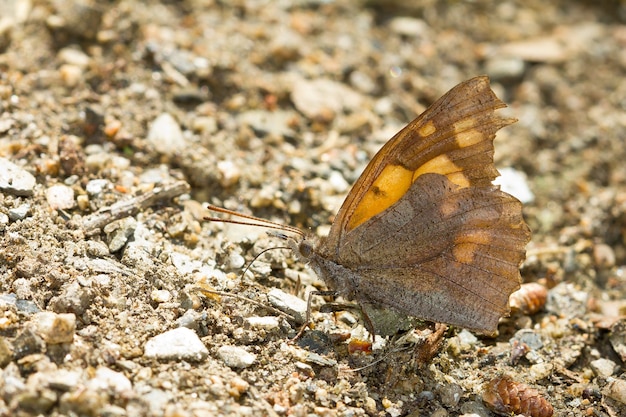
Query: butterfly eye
{"x": 305, "y": 248}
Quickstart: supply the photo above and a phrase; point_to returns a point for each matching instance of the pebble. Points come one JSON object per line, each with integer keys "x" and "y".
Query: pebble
{"x": 515, "y": 182}
{"x": 535, "y": 50}
{"x": 450, "y": 395}
{"x": 55, "y": 328}
{"x": 566, "y": 300}
{"x": 60, "y": 197}
{"x": 166, "y": 136}
{"x": 15, "y": 180}
{"x": 107, "y": 379}
{"x": 603, "y": 256}
{"x": 160, "y": 296}
{"x": 265, "y": 323}
{"x": 263, "y": 122}
{"x": 96, "y": 187}
{"x": 288, "y": 303}
{"x": 603, "y": 367}
{"x": 26, "y": 343}
{"x": 338, "y": 182}
{"x": 462, "y": 342}
{"x": 616, "y": 389}
{"x": 73, "y": 56}
{"x": 228, "y": 173}
{"x": 177, "y": 344}
{"x": 63, "y": 379}
{"x": 236, "y": 357}
{"x": 505, "y": 68}
{"x": 118, "y": 233}
{"x": 19, "y": 213}
{"x": 409, "y": 26}
{"x": 617, "y": 338}
{"x": 5, "y": 353}
{"x": 318, "y": 99}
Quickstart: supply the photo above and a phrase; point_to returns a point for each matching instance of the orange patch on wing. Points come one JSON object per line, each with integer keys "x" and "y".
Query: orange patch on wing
{"x": 467, "y": 243}
{"x": 443, "y": 165}
{"x": 392, "y": 183}
{"x": 427, "y": 130}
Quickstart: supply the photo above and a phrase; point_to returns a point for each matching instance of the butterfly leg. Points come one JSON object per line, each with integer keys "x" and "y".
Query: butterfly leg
{"x": 307, "y": 320}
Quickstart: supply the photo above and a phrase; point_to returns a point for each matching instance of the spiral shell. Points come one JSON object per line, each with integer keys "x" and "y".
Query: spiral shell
{"x": 505, "y": 396}
{"x": 529, "y": 299}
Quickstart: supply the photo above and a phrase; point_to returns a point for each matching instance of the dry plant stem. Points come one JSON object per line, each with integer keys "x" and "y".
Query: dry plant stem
{"x": 245, "y": 299}
{"x": 96, "y": 221}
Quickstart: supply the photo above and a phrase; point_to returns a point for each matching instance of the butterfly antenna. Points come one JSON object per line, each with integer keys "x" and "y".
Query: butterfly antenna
{"x": 257, "y": 257}
{"x": 250, "y": 220}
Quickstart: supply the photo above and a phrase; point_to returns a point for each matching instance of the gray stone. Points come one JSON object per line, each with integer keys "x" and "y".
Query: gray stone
{"x": 19, "y": 213}
{"x": 288, "y": 303}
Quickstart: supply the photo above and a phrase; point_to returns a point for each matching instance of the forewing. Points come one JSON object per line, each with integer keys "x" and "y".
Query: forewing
{"x": 453, "y": 137}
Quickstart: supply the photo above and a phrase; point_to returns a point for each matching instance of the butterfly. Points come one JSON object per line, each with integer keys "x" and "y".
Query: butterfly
{"x": 424, "y": 231}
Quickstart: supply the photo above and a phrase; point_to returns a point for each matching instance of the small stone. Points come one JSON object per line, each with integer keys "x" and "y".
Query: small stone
{"x": 238, "y": 386}
{"x": 338, "y": 182}
{"x": 616, "y": 389}
{"x": 166, "y": 136}
{"x": 603, "y": 256}
{"x": 160, "y": 296}
{"x": 514, "y": 182}
{"x": 408, "y": 26}
{"x": 450, "y": 395}
{"x": 15, "y": 180}
{"x": 265, "y": 323}
{"x": 5, "y": 353}
{"x": 118, "y": 233}
{"x": 55, "y": 328}
{"x": 229, "y": 173}
{"x": 603, "y": 367}
{"x": 64, "y": 380}
{"x": 322, "y": 99}
{"x": 177, "y": 344}
{"x": 505, "y": 68}
{"x": 462, "y": 342}
{"x": 60, "y": 197}
{"x": 96, "y": 187}
{"x": 236, "y": 357}
{"x": 288, "y": 303}
{"x": 27, "y": 343}
{"x": 71, "y": 75}
{"x": 541, "y": 370}
{"x": 19, "y": 213}
{"x": 73, "y": 56}
{"x": 107, "y": 379}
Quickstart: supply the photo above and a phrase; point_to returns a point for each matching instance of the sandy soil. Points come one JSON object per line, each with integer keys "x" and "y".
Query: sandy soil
{"x": 123, "y": 118}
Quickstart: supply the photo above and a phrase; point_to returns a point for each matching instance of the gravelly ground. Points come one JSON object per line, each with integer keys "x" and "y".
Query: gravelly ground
{"x": 273, "y": 108}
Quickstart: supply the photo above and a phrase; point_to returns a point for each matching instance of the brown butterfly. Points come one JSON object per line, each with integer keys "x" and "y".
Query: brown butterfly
{"x": 423, "y": 230}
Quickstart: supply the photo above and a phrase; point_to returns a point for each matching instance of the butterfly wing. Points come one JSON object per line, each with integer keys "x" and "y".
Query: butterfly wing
{"x": 424, "y": 229}
{"x": 453, "y": 137}
{"x": 442, "y": 253}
